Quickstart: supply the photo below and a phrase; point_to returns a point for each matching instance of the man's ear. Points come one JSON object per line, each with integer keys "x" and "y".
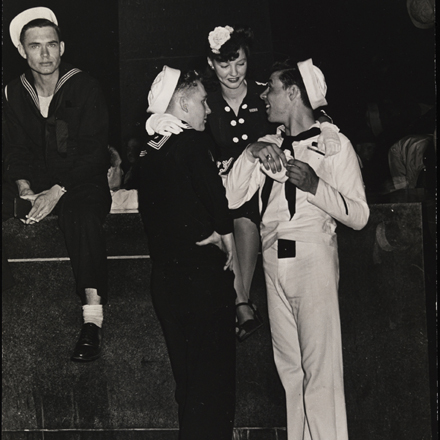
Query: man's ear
{"x": 293, "y": 92}
{"x": 183, "y": 103}
{"x": 21, "y": 51}
{"x": 62, "y": 48}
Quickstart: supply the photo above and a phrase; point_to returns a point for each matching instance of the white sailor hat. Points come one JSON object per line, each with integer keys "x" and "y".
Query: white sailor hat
{"x": 162, "y": 90}
{"x": 25, "y": 17}
{"x": 315, "y": 83}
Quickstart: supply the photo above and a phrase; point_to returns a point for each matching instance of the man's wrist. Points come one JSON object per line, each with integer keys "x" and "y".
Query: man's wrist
{"x": 24, "y": 187}
{"x": 250, "y": 154}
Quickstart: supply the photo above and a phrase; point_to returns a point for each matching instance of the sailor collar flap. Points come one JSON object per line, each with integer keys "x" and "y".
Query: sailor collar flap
{"x": 27, "y": 80}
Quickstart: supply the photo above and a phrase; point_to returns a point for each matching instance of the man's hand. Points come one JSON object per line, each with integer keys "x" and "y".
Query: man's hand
{"x": 225, "y": 243}
{"x": 302, "y": 175}
{"x": 270, "y": 155}
{"x": 42, "y": 204}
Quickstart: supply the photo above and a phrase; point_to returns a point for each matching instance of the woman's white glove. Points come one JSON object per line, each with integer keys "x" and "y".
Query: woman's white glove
{"x": 164, "y": 124}
{"x": 328, "y": 140}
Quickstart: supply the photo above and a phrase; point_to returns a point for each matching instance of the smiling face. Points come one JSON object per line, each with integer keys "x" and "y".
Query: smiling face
{"x": 277, "y": 99}
{"x": 196, "y": 107}
{"x": 231, "y": 74}
{"x": 42, "y": 50}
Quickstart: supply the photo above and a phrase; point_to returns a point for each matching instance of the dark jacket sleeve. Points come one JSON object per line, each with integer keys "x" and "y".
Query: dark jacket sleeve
{"x": 207, "y": 184}
{"x": 17, "y": 146}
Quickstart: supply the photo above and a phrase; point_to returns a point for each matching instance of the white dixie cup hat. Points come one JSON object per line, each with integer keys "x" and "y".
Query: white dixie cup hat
{"x": 25, "y": 17}
{"x": 314, "y": 82}
{"x": 162, "y": 90}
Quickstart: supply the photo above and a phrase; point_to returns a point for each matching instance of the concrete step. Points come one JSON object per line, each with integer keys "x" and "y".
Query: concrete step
{"x": 386, "y": 304}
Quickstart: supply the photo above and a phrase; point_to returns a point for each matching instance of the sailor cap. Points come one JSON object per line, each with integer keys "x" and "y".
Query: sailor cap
{"x": 25, "y": 17}
{"x": 162, "y": 90}
{"x": 314, "y": 82}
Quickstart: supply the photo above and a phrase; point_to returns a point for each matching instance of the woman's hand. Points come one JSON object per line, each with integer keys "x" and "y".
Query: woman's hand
{"x": 163, "y": 124}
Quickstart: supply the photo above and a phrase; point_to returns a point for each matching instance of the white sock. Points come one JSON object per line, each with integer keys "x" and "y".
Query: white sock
{"x": 93, "y": 314}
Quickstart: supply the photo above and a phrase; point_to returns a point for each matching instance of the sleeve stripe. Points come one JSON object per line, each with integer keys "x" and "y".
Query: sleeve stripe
{"x": 345, "y": 203}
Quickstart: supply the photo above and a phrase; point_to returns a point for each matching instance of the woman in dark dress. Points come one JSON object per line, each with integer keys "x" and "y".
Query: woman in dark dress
{"x": 238, "y": 118}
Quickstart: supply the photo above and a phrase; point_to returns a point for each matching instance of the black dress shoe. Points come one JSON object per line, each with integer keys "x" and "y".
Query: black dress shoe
{"x": 88, "y": 347}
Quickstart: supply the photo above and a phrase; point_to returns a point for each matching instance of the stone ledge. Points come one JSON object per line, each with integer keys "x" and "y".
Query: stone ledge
{"x": 125, "y": 236}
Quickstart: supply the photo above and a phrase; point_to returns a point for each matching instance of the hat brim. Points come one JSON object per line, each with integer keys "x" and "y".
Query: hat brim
{"x": 25, "y": 17}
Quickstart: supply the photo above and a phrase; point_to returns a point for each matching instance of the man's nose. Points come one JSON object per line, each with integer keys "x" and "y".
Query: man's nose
{"x": 263, "y": 96}
{"x": 44, "y": 51}
{"x": 208, "y": 110}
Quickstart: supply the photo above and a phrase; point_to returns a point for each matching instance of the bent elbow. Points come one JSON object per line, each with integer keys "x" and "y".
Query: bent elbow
{"x": 362, "y": 220}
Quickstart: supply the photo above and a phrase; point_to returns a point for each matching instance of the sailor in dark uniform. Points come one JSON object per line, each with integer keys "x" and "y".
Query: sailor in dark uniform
{"x": 186, "y": 217}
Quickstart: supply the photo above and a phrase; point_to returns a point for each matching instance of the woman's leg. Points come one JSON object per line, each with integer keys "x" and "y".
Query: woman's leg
{"x": 247, "y": 242}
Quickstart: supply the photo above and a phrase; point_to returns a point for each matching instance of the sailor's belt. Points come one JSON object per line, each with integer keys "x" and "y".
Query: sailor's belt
{"x": 286, "y": 248}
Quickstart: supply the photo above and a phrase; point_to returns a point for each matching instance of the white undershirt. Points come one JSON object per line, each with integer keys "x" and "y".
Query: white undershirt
{"x": 44, "y": 104}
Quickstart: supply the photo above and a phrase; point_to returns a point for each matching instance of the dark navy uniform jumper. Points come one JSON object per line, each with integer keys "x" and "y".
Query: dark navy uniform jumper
{"x": 182, "y": 201}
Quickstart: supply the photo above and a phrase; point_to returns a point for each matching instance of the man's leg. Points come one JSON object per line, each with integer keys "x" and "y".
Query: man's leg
{"x": 82, "y": 212}
{"x": 304, "y": 319}
{"x": 287, "y": 352}
{"x": 198, "y": 319}
{"x": 321, "y": 343}
{"x": 210, "y": 403}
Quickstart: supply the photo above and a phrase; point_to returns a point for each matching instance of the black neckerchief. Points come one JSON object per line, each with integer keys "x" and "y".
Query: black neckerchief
{"x": 289, "y": 188}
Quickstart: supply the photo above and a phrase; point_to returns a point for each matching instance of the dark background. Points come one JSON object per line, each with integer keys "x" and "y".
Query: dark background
{"x": 368, "y": 50}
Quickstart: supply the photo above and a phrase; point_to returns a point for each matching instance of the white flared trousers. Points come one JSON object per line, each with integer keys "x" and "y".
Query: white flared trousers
{"x": 304, "y": 319}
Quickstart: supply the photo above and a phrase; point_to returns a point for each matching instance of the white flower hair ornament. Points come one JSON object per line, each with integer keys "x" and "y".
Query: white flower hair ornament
{"x": 218, "y": 37}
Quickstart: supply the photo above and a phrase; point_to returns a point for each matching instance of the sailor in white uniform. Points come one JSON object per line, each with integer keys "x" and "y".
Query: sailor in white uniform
{"x": 300, "y": 205}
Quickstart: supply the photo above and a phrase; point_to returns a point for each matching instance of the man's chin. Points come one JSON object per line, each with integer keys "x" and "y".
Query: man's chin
{"x": 200, "y": 127}
{"x": 46, "y": 71}
{"x": 274, "y": 119}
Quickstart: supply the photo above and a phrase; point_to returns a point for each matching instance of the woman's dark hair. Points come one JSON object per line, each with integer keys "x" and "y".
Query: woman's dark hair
{"x": 40, "y": 23}
{"x": 242, "y": 37}
{"x": 289, "y": 75}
